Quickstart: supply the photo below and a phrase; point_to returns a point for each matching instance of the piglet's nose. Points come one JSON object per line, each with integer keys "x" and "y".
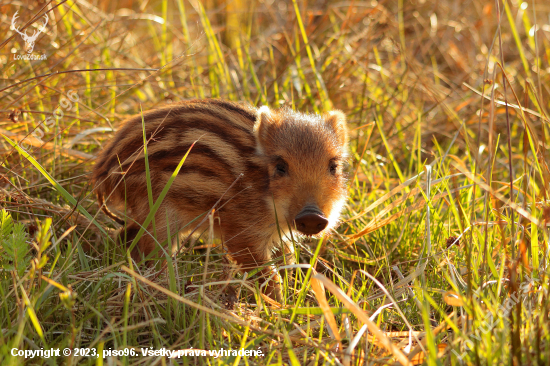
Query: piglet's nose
{"x": 310, "y": 221}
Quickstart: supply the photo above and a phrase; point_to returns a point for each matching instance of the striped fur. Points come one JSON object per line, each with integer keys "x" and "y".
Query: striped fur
{"x": 234, "y": 140}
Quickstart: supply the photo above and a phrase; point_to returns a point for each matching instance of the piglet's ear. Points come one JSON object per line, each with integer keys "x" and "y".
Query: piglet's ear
{"x": 336, "y": 120}
{"x": 265, "y": 120}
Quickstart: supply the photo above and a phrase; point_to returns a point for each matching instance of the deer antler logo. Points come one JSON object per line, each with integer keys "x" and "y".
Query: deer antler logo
{"x": 29, "y": 40}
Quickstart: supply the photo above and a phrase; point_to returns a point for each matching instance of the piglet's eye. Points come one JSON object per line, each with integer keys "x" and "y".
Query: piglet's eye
{"x": 333, "y": 167}
{"x": 281, "y": 169}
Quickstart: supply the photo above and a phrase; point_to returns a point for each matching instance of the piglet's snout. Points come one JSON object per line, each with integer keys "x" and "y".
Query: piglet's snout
{"x": 310, "y": 221}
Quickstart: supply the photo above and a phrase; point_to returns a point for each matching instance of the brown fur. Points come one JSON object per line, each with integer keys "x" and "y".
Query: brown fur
{"x": 233, "y": 139}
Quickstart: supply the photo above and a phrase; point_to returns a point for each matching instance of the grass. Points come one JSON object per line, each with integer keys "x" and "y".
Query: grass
{"x": 442, "y": 254}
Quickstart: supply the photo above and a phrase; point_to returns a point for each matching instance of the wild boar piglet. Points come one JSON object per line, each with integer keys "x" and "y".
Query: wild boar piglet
{"x": 272, "y": 171}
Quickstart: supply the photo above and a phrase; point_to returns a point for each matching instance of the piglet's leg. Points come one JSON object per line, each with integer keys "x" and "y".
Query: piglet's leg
{"x": 127, "y": 235}
{"x": 249, "y": 261}
{"x": 149, "y": 241}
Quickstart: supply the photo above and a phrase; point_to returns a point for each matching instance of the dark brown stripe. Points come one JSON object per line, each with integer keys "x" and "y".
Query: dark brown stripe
{"x": 247, "y": 113}
{"x": 129, "y": 233}
{"x": 193, "y": 199}
{"x": 223, "y": 132}
{"x": 213, "y": 172}
{"x": 167, "y": 160}
{"x": 201, "y": 149}
{"x": 198, "y": 149}
{"x": 179, "y": 112}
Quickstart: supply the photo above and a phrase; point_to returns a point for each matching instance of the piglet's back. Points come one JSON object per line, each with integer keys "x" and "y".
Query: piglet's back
{"x": 225, "y": 151}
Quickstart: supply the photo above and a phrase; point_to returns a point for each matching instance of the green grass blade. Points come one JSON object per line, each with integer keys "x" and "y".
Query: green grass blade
{"x": 159, "y": 201}
{"x": 54, "y": 183}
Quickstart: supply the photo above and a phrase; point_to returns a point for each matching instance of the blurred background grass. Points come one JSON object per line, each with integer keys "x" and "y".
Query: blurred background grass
{"x": 431, "y": 215}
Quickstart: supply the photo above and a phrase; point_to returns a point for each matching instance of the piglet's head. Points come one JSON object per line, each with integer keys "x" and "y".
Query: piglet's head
{"x": 306, "y": 154}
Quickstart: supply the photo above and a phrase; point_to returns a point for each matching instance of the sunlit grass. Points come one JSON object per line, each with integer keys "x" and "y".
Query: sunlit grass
{"x": 432, "y": 255}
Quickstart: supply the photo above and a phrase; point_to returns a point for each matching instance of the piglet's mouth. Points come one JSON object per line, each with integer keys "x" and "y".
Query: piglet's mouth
{"x": 310, "y": 221}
